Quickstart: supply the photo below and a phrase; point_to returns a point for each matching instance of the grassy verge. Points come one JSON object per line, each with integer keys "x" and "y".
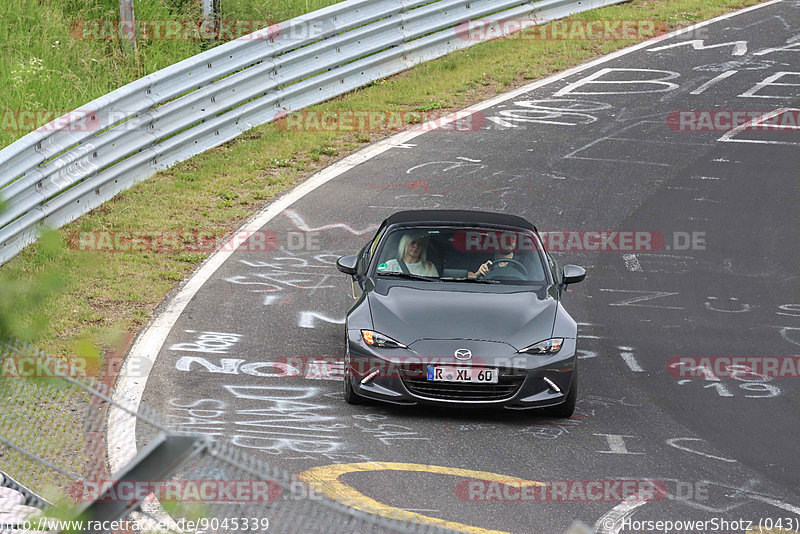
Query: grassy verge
{"x": 105, "y": 295}
{"x": 45, "y": 68}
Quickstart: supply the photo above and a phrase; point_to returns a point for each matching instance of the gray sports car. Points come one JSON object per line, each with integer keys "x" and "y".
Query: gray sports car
{"x": 460, "y": 307}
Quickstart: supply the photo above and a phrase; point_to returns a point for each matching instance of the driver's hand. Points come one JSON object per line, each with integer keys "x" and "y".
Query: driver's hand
{"x": 483, "y": 270}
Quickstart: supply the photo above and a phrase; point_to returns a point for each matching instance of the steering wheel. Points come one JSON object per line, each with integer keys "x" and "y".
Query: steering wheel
{"x": 516, "y": 265}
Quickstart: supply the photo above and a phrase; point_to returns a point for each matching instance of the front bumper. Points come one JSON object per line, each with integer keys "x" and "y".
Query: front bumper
{"x": 399, "y": 376}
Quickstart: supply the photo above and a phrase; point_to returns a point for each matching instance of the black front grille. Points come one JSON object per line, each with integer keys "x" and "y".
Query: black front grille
{"x": 506, "y": 387}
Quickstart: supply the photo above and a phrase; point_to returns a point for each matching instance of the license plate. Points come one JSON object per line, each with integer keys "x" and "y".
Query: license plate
{"x": 439, "y": 373}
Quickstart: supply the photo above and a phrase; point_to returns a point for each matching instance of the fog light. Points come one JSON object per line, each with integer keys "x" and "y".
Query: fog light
{"x": 367, "y": 379}
{"x": 552, "y": 384}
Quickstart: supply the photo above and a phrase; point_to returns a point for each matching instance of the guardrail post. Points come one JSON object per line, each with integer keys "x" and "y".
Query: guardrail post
{"x": 211, "y": 17}
{"x": 127, "y": 25}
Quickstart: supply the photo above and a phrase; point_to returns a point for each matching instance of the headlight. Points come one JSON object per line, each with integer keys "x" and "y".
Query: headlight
{"x": 548, "y": 346}
{"x": 375, "y": 339}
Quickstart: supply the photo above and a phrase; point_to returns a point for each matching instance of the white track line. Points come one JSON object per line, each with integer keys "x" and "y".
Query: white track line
{"x": 130, "y": 388}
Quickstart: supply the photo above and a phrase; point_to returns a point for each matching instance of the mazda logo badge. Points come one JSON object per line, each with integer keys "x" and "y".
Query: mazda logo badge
{"x": 463, "y": 354}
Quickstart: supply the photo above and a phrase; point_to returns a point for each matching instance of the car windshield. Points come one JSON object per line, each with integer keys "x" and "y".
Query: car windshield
{"x": 452, "y": 254}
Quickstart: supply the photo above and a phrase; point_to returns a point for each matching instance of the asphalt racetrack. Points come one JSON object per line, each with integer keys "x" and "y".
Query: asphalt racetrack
{"x": 604, "y": 149}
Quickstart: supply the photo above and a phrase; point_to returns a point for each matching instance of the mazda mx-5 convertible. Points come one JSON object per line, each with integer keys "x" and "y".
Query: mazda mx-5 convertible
{"x": 460, "y": 308}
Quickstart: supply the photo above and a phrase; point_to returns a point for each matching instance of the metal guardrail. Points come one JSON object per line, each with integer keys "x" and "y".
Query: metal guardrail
{"x": 53, "y": 176}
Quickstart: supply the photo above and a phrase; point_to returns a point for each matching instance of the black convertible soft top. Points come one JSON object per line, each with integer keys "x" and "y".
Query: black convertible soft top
{"x": 459, "y": 216}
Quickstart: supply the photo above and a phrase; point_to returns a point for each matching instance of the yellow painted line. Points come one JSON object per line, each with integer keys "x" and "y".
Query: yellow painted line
{"x": 326, "y": 480}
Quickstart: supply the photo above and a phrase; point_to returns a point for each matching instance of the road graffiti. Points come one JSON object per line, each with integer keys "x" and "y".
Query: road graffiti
{"x": 678, "y": 444}
{"x": 616, "y": 444}
{"x": 287, "y": 419}
{"x": 787, "y": 123}
{"x": 644, "y": 296}
{"x": 711, "y": 303}
{"x": 793, "y": 47}
{"x": 629, "y": 358}
{"x": 287, "y": 272}
{"x": 462, "y": 164}
{"x": 210, "y": 342}
{"x": 773, "y": 81}
{"x": 485, "y": 193}
{"x": 301, "y": 224}
{"x": 792, "y": 310}
{"x": 748, "y": 380}
{"x": 714, "y": 81}
{"x": 617, "y": 149}
{"x": 733, "y": 302}
{"x": 385, "y": 432}
{"x": 282, "y": 280}
{"x": 550, "y": 430}
{"x": 738, "y": 48}
{"x": 559, "y": 112}
{"x": 233, "y": 366}
{"x": 659, "y": 83}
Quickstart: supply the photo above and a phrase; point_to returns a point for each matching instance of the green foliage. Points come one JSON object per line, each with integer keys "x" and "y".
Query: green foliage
{"x": 24, "y": 314}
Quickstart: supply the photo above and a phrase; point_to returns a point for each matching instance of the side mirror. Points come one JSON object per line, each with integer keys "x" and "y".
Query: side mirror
{"x": 573, "y": 274}
{"x": 347, "y": 264}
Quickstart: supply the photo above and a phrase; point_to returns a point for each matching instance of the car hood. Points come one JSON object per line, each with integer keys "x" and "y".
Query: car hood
{"x": 408, "y": 314}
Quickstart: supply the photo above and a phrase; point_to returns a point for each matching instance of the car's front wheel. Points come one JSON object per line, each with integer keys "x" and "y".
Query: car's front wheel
{"x": 350, "y": 395}
{"x": 567, "y": 408}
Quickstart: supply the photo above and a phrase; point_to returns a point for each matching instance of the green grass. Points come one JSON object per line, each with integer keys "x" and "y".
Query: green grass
{"x": 44, "y": 67}
{"x": 107, "y": 295}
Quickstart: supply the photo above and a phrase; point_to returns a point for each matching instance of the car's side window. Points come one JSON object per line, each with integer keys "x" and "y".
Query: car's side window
{"x": 363, "y": 259}
{"x": 554, "y": 269}
{"x": 365, "y": 256}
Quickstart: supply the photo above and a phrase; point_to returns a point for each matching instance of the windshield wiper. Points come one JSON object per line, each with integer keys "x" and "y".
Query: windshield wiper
{"x": 472, "y": 280}
{"x": 409, "y": 276}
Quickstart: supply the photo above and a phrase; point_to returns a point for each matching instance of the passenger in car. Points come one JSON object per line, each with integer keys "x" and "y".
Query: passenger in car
{"x": 412, "y": 252}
